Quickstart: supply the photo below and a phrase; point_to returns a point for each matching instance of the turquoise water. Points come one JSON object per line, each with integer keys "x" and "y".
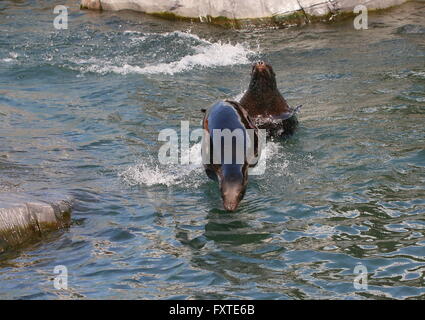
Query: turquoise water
{"x": 80, "y": 113}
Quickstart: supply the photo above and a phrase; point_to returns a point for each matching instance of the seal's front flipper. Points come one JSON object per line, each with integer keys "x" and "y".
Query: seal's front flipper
{"x": 297, "y": 108}
{"x": 287, "y": 115}
{"x": 283, "y": 116}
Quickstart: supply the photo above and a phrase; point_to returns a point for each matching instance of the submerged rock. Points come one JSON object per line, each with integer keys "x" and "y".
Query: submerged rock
{"x": 410, "y": 29}
{"x": 24, "y": 217}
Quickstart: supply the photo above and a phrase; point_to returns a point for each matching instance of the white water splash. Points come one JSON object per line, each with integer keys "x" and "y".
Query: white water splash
{"x": 207, "y": 55}
{"x": 12, "y": 57}
{"x": 276, "y": 160}
{"x": 179, "y": 34}
{"x": 149, "y": 172}
{"x": 239, "y": 96}
{"x": 214, "y": 55}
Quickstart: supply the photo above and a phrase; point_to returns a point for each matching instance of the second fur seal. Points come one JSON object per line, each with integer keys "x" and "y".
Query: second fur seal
{"x": 229, "y": 148}
{"x": 266, "y": 105}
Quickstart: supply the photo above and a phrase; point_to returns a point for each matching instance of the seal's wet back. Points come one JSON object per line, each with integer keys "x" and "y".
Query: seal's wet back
{"x": 229, "y": 166}
{"x": 266, "y": 105}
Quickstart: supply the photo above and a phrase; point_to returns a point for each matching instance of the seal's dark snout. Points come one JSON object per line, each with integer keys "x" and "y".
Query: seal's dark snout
{"x": 231, "y": 198}
{"x": 260, "y": 65}
{"x": 232, "y": 192}
{"x": 231, "y": 206}
{"x": 262, "y": 69}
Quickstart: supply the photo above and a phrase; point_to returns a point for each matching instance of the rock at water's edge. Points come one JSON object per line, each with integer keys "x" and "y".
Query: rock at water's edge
{"x": 23, "y": 217}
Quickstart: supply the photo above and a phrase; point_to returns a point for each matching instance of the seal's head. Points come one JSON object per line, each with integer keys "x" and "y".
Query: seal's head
{"x": 262, "y": 76}
{"x": 233, "y": 183}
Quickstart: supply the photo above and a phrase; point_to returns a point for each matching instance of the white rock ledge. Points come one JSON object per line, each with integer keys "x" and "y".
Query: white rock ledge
{"x": 23, "y": 217}
{"x": 233, "y": 10}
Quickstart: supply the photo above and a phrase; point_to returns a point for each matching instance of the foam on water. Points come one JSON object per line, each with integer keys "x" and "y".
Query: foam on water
{"x": 12, "y": 57}
{"x": 239, "y": 96}
{"x": 206, "y": 54}
{"x": 275, "y": 159}
{"x": 150, "y": 172}
{"x": 214, "y": 55}
{"x": 418, "y": 74}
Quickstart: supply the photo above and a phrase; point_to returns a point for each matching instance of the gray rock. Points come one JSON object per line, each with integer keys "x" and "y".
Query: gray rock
{"x": 24, "y": 217}
{"x": 204, "y": 10}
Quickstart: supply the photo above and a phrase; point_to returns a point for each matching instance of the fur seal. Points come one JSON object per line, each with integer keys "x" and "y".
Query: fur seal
{"x": 266, "y": 105}
{"x": 231, "y": 174}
